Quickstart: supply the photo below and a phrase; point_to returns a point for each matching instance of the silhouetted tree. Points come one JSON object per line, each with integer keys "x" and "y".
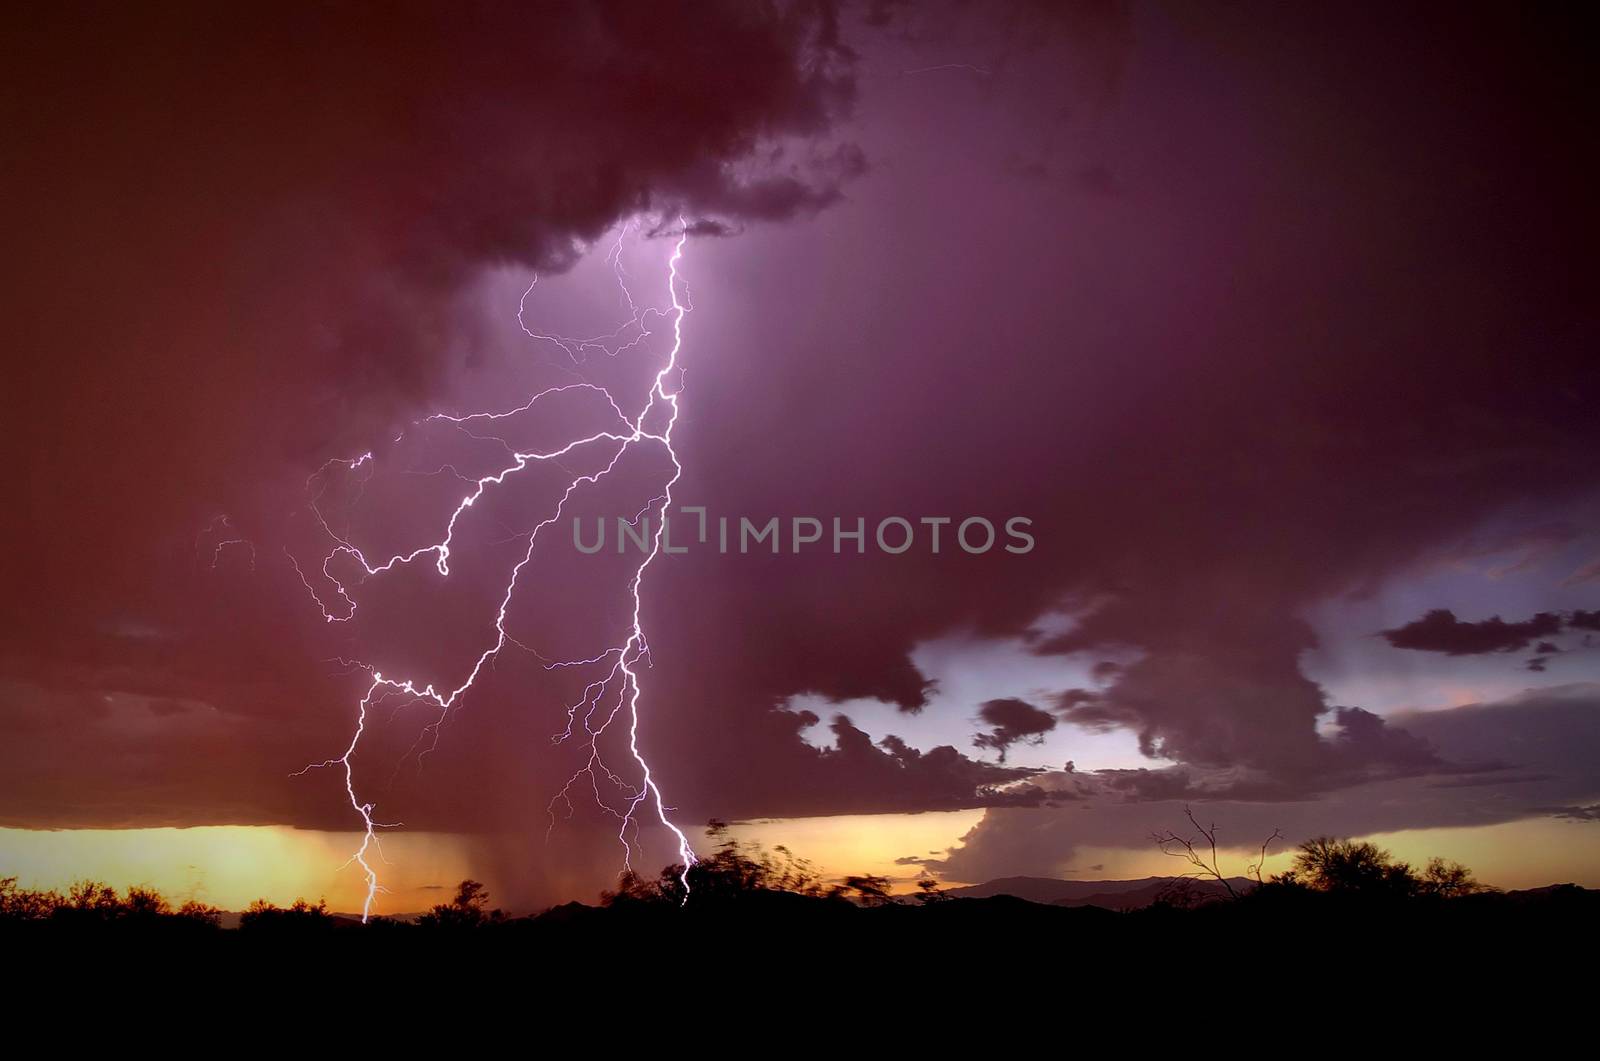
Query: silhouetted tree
{"x": 468, "y": 910}
{"x": 145, "y": 904}
{"x": 1349, "y": 867}
{"x": 1445, "y": 879}
{"x": 299, "y": 916}
{"x": 1201, "y": 853}
{"x": 25, "y": 904}
{"x": 730, "y": 872}
{"x": 868, "y": 890}
{"x": 89, "y": 902}
{"x": 199, "y": 914}
{"x": 633, "y": 889}
{"x": 1338, "y": 866}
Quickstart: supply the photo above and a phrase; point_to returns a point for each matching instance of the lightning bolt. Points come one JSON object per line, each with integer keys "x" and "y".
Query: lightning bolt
{"x": 620, "y": 689}
{"x": 215, "y": 530}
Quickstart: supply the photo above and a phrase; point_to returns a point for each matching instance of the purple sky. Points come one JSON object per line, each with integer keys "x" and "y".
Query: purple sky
{"x": 1272, "y": 321}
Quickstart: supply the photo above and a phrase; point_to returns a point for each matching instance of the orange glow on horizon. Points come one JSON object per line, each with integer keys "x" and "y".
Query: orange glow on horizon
{"x": 231, "y": 866}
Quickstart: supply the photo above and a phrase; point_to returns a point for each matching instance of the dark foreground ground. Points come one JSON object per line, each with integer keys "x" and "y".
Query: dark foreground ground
{"x": 1254, "y": 975}
{"x": 1562, "y": 917}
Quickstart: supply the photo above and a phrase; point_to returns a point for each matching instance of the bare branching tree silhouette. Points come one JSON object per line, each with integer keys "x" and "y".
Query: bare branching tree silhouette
{"x": 1201, "y": 853}
{"x": 1254, "y": 869}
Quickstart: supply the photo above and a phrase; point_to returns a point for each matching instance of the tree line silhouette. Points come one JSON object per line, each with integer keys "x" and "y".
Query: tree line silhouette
{"x": 1329, "y": 878}
{"x": 1324, "y": 864}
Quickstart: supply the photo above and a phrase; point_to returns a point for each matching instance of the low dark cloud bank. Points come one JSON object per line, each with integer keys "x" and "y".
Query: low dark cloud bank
{"x": 1441, "y": 631}
{"x": 1535, "y": 754}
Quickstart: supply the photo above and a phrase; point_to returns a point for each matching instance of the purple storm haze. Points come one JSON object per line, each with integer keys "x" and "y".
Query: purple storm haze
{"x": 1274, "y": 322}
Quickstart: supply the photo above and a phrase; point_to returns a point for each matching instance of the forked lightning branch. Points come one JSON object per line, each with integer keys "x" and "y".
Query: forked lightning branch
{"x": 613, "y": 697}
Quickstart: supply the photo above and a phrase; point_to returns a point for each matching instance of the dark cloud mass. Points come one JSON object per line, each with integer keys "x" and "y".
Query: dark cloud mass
{"x": 1361, "y": 748}
{"x": 1237, "y": 303}
{"x": 1441, "y": 631}
{"x": 239, "y": 242}
{"x": 1535, "y": 754}
{"x": 240, "y": 236}
{"x": 1014, "y": 721}
{"x": 1141, "y": 377}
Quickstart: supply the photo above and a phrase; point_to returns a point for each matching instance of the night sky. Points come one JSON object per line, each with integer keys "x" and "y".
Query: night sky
{"x": 1272, "y": 320}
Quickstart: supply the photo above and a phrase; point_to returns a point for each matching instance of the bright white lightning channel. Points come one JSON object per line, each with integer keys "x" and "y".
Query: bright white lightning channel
{"x": 617, "y": 691}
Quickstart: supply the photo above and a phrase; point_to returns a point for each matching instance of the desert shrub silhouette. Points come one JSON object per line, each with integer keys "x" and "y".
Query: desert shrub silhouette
{"x": 93, "y": 905}
{"x": 1359, "y": 869}
{"x": 468, "y": 910}
{"x": 263, "y": 918}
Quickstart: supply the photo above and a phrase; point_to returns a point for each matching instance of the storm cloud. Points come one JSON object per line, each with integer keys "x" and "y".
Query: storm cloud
{"x": 1236, "y": 305}
{"x": 1536, "y": 756}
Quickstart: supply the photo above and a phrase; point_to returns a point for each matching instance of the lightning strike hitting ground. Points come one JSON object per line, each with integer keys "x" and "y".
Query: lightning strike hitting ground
{"x": 615, "y": 694}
